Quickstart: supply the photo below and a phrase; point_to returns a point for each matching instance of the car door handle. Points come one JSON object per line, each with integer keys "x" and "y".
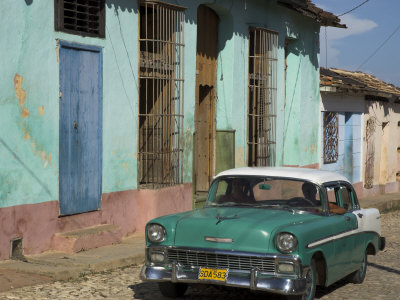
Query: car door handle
{"x": 347, "y": 218}
{"x": 360, "y": 215}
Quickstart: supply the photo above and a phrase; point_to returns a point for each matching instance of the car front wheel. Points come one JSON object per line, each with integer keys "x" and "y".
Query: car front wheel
{"x": 172, "y": 290}
{"x": 312, "y": 279}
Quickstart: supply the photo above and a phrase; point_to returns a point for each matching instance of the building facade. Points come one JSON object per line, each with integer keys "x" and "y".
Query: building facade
{"x": 360, "y": 130}
{"x": 114, "y": 112}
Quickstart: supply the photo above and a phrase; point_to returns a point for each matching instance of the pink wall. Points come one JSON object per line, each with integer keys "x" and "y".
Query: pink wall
{"x": 130, "y": 210}
{"x": 390, "y": 187}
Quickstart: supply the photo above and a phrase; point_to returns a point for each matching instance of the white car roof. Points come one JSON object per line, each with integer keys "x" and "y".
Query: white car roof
{"x": 313, "y": 175}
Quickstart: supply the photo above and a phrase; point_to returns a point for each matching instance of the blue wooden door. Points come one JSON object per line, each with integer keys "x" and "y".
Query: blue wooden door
{"x": 80, "y": 128}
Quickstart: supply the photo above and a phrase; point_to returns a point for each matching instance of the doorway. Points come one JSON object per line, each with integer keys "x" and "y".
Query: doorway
{"x": 205, "y": 106}
{"x": 80, "y": 155}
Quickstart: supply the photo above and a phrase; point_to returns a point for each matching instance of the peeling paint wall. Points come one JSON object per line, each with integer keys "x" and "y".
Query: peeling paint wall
{"x": 386, "y": 118}
{"x": 29, "y": 91}
{"x": 29, "y": 100}
{"x": 28, "y": 138}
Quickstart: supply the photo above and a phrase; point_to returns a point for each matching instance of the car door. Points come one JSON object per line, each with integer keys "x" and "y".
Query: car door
{"x": 349, "y": 198}
{"x": 342, "y": 238}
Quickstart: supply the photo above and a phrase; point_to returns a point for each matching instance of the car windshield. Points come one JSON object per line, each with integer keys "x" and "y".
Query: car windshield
{"x": 265, "y": 192}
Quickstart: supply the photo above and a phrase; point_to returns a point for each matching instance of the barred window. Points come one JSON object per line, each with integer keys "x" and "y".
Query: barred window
{"x": 262, "y": 94}
{"x": 160, "y": 94}
{"x": 331, "y": 137}
{"x": 83, "y": 17}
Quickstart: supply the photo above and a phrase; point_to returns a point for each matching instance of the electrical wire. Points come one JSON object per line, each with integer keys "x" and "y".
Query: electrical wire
{"x": 379, "y": 47}
{"x": 345, "y": 13}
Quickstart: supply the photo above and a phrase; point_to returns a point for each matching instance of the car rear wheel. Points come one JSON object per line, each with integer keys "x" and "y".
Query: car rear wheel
{"x": 172, "y": 290}
{"x": 312, "y": 279}
{"x": 359, "y": 275}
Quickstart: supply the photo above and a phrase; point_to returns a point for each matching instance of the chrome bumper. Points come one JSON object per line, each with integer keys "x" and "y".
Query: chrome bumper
{"x": 253, "y": 280}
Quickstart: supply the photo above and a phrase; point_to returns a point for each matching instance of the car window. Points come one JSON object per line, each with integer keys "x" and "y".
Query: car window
{"x": 346, "y": 198}
{"x": 332, "y": 195}
{"x": 265, "y": 192}
{"x": 222, "y": 188}
{"x": 335, "y": 206}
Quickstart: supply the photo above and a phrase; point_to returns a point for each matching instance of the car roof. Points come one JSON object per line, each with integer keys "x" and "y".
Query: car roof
{"x": 313, "y": 175}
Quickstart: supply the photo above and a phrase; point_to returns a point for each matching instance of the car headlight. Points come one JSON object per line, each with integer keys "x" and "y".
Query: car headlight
{"x": 286, "y": 242}
{"x": 156, "y": 233}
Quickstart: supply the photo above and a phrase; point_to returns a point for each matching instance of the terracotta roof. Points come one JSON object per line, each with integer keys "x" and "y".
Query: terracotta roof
{"x": 309, "y": 9}
{"x": 357, "y": 82}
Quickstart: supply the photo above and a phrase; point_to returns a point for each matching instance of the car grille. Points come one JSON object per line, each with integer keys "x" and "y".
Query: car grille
{"x": 190, "y": 258}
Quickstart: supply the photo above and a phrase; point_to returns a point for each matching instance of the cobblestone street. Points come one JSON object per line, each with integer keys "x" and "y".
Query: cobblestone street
{"x": 382, "y": 280}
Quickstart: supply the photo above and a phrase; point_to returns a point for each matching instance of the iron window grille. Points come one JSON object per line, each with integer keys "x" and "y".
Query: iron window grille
{"x": 262, "y": 95}
{"x": 83, "y": 17}
{"x": 161, "y": 80}
{"x": 331, "y": 137}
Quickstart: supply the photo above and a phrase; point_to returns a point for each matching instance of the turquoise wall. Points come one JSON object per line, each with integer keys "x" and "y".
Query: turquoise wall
{"x": 296, "y": 132}
{"x": 29, "y": 132}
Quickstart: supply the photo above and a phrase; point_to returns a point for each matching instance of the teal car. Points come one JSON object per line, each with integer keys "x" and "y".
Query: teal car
{"x": 279, "y": 230}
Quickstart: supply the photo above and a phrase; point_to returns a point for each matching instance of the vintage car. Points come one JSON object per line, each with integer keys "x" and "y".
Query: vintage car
{"x": 280, "y": 230}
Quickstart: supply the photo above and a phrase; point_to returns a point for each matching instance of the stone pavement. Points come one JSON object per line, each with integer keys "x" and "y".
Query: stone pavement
{"x": 107, "y": 263}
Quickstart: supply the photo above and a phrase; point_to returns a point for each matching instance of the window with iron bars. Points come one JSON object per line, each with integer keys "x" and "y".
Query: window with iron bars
{"x": 331, "y": 137}
{"x": 262, "y": 94}
{"x": 83, "y": 17}
{"x": 160, "y": 154}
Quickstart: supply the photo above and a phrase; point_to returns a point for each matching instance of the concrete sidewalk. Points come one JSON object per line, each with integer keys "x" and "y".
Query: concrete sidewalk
{"x": 53, "y": 266}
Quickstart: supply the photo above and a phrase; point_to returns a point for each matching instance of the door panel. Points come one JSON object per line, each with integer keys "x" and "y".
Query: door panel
{"x": 341, "y": 263}
{"x": 205, "y": 141}
{"x": 206, "y": 71}
{"x": 80, "y": 129}
{"x": 343, "y": 243}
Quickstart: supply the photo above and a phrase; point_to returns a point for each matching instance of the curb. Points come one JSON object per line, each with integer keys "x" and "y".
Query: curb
{"x": 71, "y": 271}
{"x": 387, "y": 206}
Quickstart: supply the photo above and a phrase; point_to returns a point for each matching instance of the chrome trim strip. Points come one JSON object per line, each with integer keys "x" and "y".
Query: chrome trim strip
{"x": 338, "y": 236}
{"x": 218, "y": 240}
{"x": 333, "y": 237}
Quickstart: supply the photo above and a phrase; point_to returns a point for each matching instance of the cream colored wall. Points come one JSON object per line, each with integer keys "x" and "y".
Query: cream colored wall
{"x": 386, "y": 141}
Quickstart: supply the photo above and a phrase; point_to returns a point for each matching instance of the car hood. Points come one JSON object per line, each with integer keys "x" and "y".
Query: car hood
{"x": 245, "y": 229}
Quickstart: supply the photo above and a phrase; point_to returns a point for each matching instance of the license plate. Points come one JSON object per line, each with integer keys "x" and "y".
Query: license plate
{"x": 213, "y": 274}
